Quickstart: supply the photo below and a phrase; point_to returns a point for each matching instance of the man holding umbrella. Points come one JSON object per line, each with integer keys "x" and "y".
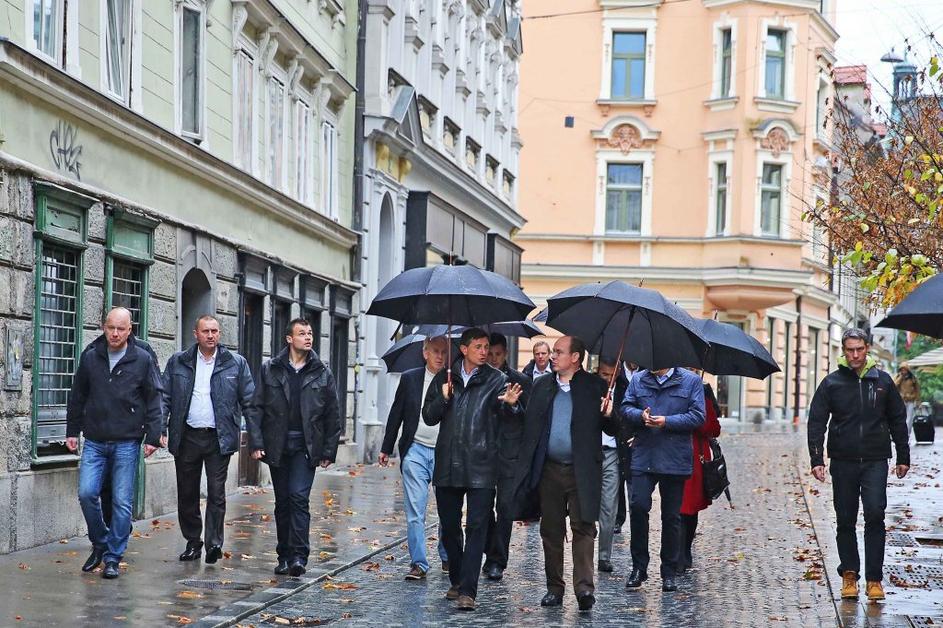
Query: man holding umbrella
{"x": 468, "y": 403}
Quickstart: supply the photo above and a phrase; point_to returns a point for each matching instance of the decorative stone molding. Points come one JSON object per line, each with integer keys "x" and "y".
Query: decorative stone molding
{"x": 268, "y": 46}
{"x": 240, "y": 15}
{"x": 625, "y": 133}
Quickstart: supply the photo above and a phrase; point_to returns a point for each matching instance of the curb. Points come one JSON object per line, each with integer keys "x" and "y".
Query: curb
{"x": 259, "y": 601}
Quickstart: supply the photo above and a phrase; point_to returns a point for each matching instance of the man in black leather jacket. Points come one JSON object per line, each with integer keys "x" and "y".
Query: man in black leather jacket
{"x": 468, "y": 408}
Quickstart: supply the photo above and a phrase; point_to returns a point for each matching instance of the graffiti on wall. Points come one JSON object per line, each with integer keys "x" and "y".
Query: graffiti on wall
{"x": 65, "y": 149}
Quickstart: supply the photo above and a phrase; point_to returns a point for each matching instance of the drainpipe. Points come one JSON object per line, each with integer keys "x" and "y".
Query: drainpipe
{"x": 798, "y": 360}
{"x": 356, "y": 266}
{"x": 833, "y": 201}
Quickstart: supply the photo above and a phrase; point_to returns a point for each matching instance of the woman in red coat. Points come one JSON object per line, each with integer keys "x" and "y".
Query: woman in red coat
{"x": 694, "y": 499}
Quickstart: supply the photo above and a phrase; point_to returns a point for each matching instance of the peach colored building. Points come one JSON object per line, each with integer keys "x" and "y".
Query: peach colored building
{"x": 678, "y": 145}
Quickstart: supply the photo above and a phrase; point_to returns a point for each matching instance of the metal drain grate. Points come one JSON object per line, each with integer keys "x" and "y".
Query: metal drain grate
{"x": 901, "y": 539}
{"x": 925, "y": 622}
{"x": 915, "y": 576}
{"x": 216, "y": 584}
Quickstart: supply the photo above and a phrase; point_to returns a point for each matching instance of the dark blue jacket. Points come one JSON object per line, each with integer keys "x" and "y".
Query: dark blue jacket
{"x": 231, "y": 391}
{"x": 407, "y": 403}
{"x": 680, "y": 400}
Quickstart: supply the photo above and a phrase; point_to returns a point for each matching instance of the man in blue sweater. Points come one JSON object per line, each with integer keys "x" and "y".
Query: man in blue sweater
{"x": 663, "y": 407}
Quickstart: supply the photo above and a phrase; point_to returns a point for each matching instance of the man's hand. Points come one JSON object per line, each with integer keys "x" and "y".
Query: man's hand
{"x": 325, "y": 464}
{"x": 901, "y": 470}
{"x": 819, "y": 472}
{"x": 605, "y": 406}
{"x": 655, "y": 421}
{"x": 149, "y": 449}
{"x": 72, "y": 444}
{"x": 258, "y": 454}
{"x": 447, "y": 391}
{"x": 384, "y": 459}
{"x": 163, "y": 441}
{"x": 646, "y": 415}
{"x": 511, "y": 394}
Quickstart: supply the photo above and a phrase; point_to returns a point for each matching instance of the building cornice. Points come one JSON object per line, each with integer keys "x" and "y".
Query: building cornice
{"x": 720, "y": 276}
{"x": 574, "y": 237}
{"x": 62, "y": 91}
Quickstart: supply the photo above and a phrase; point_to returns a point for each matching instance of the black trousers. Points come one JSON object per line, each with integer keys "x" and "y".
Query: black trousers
{"x": 199, "y": 449}
{"x": 500, "y": 526}
{"x": 671, "y": 489}
{"x": 464, "y": 562}
{"x": 688, "y": 531}
{"x": 864, "y": 482}
{"x": 291, "y": 482}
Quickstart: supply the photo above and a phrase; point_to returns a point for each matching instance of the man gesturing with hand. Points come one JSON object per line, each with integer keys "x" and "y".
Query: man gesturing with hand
{"x": 860, "y": 407}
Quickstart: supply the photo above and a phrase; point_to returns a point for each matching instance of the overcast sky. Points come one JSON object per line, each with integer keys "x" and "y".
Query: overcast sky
{"x": 869, "y": 28}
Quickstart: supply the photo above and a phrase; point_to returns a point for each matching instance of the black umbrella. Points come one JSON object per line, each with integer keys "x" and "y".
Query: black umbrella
{"x": 406, "y": 353}
{"x": 519, "y": 329}
{"x": 734, "y": 352}
{"x": 921, "y": 311}
{"x": 637, "y": 324}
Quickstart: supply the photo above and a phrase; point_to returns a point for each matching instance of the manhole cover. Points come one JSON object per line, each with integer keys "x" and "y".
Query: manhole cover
{"x": 217, "y": 584}
{"x": 925, "y": 622}
{"x": 901, "y": 539}
{"x": 915, "y": 576}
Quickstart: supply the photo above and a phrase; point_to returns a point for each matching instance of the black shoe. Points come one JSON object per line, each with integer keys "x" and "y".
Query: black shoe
{"x": 94, "y": 560}
{"x": 668, "y": 584}
{"x": 213, "y": 554}
{"x": 617, "y": 530}
{"x": 636, "y": 578}
{"x": 494, "y": 573}
{"x": 445, "y": 566}
{"x": 552, "y": 599}
{"x": 193, "y": 551}
{"x": 111, "y": 571}
{"x": 282, "y": 568}
{"x": 605, "y": 565}
{"x": 296, "y": 568}
{"x": 585, "y": 600}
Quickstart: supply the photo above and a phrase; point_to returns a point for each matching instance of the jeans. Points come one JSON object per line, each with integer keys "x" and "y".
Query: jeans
{"x": 671, "y": 489}
{"x": 291, "y": 481}
{"x": 608, "y": 500}
{"x": 865, "y": 481}
{"x": 464, "y": 562}
{"x": 120, "y": 459}
{"x": 417, "y": 467}
{"x": 198, "y": 449}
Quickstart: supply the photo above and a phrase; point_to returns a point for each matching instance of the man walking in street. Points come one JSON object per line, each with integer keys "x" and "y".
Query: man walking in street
{"x": 862, "y": 410}
{"x": 416, "y": 451}
{"x": 540, "y": 365}
{"x": 509, "y": 443}
{"x": 611, "y": 476}
{"x": 207, "y": 389}
{"x": 663, "y": 407}
{"x": 294, "y": 425}
{"x": 626, "y": 373}
{"x": 561, "y": 456}
{"x": 468, "y": 410}
{"x": 115, "y": 403}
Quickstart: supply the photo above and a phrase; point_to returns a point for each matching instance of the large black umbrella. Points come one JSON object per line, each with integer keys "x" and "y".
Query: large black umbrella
{"x": 921, "y": 311}
{"x": 519, "y": 329}
{"x": 406, "y": 353}
{"x": 734, "y": 352}
{"x": 625, "y": 322}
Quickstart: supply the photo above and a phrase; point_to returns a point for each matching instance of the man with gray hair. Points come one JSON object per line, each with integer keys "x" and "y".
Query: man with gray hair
{"x": 862, "y": 410}
{"x": 416, "y": 451}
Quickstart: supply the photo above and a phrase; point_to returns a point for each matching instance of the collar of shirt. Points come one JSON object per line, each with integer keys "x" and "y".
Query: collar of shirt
{"x": 429, "y": 375}
{"x": 564, "y": 385}
{"x": 664, "y": 378}
{"x": 546, "y": 371}
{"x": 206, "y": 360}
{"x": 467, "y": 376}
{"x": 629, "y": 373}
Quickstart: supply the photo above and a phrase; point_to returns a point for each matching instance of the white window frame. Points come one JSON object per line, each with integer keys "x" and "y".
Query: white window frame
{"x": 303, "y": 185}
{"x": 784, "y": 160}
{"x": 280, "y": 180}
{"x": 823, "y": 94}
{"x": 613, "y": 25}
{"x": 132, "y": 73}
{"x": 246, "y": 162}
{"x": 199, "y": 7}
{"x": 56, "y": 57}
{"x": 603, "y": 159}
{"x": 329, "y": 179}
{"x": 725, "y": 23}
{"x": 713, "y": 160}
{"x": 789, "y": 74}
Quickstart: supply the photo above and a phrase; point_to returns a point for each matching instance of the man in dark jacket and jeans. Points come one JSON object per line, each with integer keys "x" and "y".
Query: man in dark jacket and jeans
{"x": 468, "y": 410}
{"x": 863, "y": 411}
{"x": 663, "y": 407}
{"x": 115, "y": 403}
{"x": 294, "y": 425}
{"x": 206, "y": 390}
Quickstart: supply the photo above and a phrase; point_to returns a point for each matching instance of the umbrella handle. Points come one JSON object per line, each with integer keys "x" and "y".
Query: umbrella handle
{"x": 448, "y": 366}
{"x": 625, "y": 334}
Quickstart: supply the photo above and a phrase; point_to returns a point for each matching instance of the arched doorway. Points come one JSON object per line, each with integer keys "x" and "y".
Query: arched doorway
{"x": 385, "y": 327}
{"x": 196, "y": 299}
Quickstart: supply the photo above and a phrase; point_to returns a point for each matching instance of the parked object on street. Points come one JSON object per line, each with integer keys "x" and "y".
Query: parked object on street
{"x": 923, "y": 428}
{"x": 207, "y": 390}
{"x": 862, "y": 410}
{"x": 921, "y": 311}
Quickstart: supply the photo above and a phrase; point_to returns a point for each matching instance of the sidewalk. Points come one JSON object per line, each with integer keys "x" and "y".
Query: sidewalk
{"x": 913, "y": 558}
{"x": 355, "y": 514}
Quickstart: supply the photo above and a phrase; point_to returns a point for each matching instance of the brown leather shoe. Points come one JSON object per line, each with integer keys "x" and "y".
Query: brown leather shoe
{"x": 465, "y": 603}
{"x": 415, "y": 573}
{"x": 849, "y": 585}
{"x": 875, "y": 590}
{"x": 451, "y": 594}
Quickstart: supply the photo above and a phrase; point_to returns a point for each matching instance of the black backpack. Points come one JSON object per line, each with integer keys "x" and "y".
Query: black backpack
{"x": 715, "y": 473}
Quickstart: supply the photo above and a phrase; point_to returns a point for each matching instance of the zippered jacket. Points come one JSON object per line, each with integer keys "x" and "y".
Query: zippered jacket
{"x": 861, "y": 413}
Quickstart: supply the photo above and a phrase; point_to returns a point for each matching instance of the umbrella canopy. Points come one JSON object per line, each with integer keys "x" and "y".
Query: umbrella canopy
{"x": 734, "y": 352}
{"x": 921, "y": 311}
{"x": 519, "y": 329}
{"x": 406, "y": 353}
{"x": 458, "y": 295}
{"x": 640, "y": 324}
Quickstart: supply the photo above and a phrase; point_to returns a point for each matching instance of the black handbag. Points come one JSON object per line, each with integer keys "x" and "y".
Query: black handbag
{"x": 714, "y": 472}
